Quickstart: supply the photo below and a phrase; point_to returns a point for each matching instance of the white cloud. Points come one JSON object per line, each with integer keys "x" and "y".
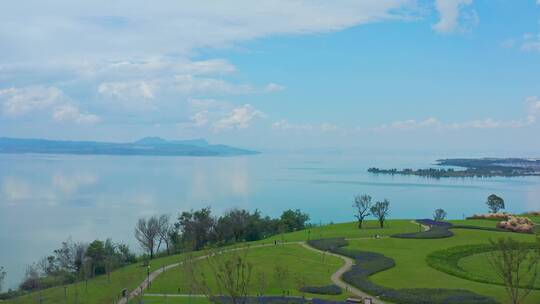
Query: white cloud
{"x": 239, "y": 118}
{"x": 43, "y": 100}
{"x": 451, "y": 13}
{"x": 18, "y": 101}
{"x": 273, "y": 87}
{"x": 188, "y": 84}
{"x": 128, "y": 90}
{"x": 70, "y": 113}
{"x": 177, "y": 27}
{"x": 531, "y": 42}
{"x": 206, "y": 104}
{"x": 411, "y": 124}
{"x": 533, "y": 108}
{"x": 284, "y": 125}
{"x": 200, "y": 118}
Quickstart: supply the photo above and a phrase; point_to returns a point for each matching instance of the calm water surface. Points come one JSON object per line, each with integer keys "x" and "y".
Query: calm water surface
{"x": 44, "y": 199}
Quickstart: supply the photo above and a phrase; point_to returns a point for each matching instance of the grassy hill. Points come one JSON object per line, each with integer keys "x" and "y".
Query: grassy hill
{"x": 411, "y": 269}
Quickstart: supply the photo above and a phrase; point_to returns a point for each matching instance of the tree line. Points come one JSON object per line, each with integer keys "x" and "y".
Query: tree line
{"x": 75, "y": 262}
{"x": 198, "y": 229}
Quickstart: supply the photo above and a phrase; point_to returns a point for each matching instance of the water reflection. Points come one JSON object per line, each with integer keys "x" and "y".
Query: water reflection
{"x": 46, "y": 199}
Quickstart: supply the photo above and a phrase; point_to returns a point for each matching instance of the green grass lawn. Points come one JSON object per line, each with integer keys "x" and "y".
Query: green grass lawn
{"x": 302, "y": 264}
{"x": 347, "y": 230}
{"x": 412, "y": 271}
{"x": 479, "y": 265}
{"x": 477, "y": 223}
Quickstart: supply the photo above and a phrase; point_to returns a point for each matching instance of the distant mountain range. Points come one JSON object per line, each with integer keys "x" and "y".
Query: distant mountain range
{"x": 144, "y": 146}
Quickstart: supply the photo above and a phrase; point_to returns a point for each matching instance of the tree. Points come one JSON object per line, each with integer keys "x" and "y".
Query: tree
{"x": 495, "y": 203}
{"x": 362, "y": 203}
{"x": 262, "y": 283}
{"x": 196, "y": 228}
{"x": 380, "y": 211}
{"x": 31, "y": 279}
{"x": 147, "y": 233}
{"x": 3, "y": 275}
{"x": 230, "y": 276}
{"x": 439, "y": 215}
{"x": 294, "y": 220}
{"x": 281, "y": 275}
{"x": 165, "y": 232}
{"x": 71, "y": 255}
{"x": 516, "y": 264}
{"x": 96, "y": 254}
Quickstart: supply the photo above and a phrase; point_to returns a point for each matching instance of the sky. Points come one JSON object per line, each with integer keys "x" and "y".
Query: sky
{"x": 279, "y": 75}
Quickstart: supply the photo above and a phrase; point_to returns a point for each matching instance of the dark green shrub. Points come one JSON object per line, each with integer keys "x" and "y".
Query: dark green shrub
{"x": 434, "y": 233}
{"x": 323, "y": 290}
{"x": 329, "y": 244}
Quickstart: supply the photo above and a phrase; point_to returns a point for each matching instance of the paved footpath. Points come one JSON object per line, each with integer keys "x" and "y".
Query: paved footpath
{"x": 336, "y": 276}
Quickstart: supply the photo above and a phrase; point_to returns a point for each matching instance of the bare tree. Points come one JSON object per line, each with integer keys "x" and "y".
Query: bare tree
{"x": 3, "y": 275}
{"x": 439, "y": 215}
{"x": 516, "y": 264}
{"x": 380, "y": 211}
{"x": 262, "y": 283}
{"x": 165, "y": 232}
{"x": 281, "y": 275}
{"x": 147, "y": 233}
{"x": 230, "y": 276}
{"x": 362, "y": 203}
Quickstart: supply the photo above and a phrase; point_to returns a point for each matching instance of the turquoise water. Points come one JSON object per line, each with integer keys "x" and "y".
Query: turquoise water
{"x": 44, "y": 199}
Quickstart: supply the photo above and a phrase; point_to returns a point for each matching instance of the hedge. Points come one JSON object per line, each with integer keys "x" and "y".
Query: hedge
{"x": 447, "y": 260}
{"x": 322, "y": 290}
{"x": 369, "y": 263}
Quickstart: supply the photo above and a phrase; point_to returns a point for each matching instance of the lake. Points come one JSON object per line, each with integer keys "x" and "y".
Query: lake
{"x": 44, "y": 199}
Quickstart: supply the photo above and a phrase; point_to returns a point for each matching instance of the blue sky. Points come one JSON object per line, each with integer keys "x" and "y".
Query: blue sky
{"x": 373, "y": 74}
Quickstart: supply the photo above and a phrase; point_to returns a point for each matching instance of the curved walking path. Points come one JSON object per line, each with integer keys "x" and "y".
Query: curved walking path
{"x": 336, "y": 276}
{"x": 154, "y": 274}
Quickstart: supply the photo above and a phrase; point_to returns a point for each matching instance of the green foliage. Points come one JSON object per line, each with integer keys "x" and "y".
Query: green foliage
{"x": 439, "y": 215}
{"x": 495, "y": 203}
{"x": 293, "y": 220}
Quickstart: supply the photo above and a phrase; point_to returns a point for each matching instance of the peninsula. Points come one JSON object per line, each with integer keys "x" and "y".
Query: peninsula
{"x": 145, "y": 146}
{"x": 480, "y": 167}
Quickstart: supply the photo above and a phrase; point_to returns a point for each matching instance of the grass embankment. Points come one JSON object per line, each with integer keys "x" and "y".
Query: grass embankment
{"x": 301, "y": 264}
{"x": 99, "y": 290}
{"x": 411, "y": 269}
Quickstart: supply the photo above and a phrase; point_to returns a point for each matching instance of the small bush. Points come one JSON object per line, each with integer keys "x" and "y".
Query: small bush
{"x": 323, "y": 290}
